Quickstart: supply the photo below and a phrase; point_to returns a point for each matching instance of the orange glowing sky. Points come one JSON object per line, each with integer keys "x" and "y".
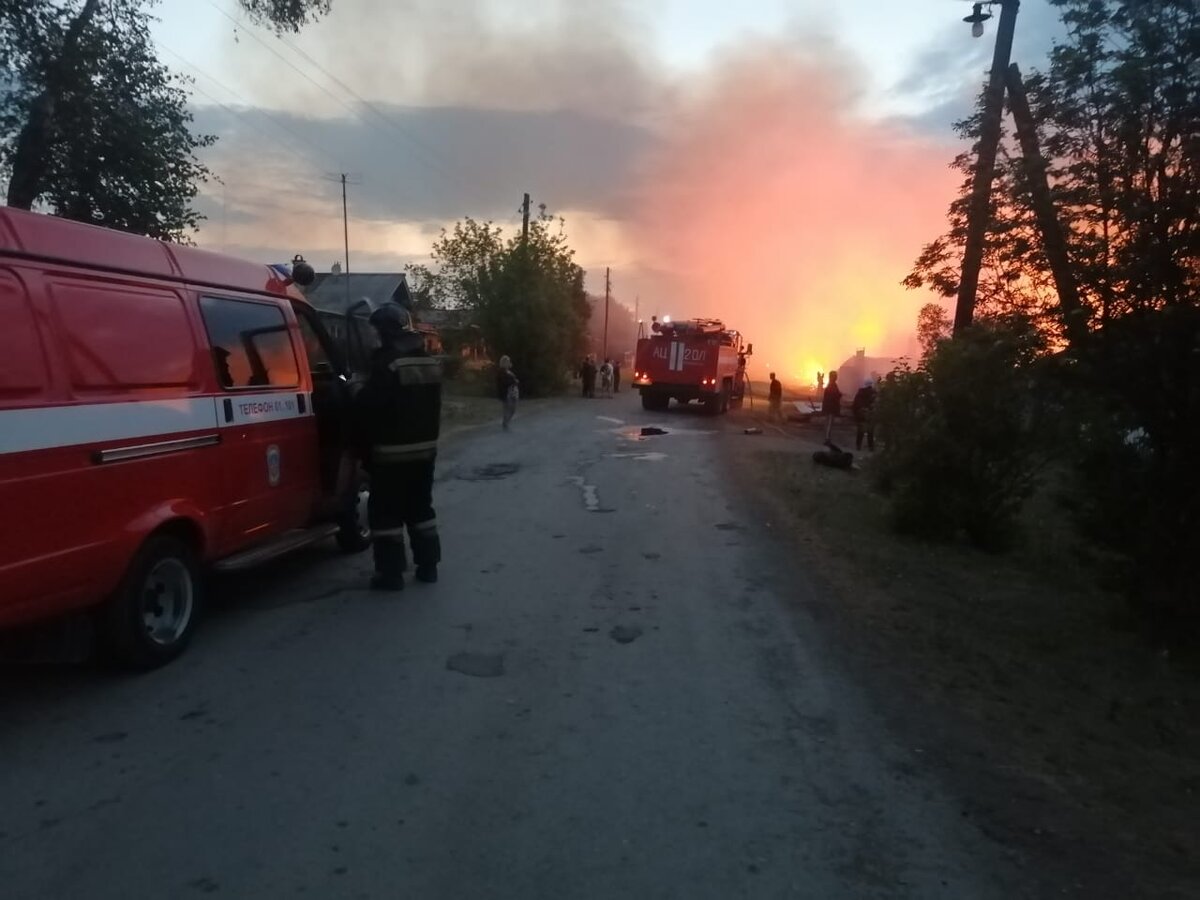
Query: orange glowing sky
{"x": 770, "y": 205}
{"x": 726, "y": 161}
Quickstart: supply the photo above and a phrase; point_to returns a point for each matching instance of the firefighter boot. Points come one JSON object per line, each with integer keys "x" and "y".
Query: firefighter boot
{"x": 389, "y": 564}
{"x": 427, "y": 550}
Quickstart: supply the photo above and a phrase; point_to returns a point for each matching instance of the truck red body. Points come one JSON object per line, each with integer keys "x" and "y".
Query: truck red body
{"x": 695, "y": 359}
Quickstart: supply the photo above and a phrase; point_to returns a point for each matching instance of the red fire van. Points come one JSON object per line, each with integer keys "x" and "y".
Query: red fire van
{"x": 162, "y": 409}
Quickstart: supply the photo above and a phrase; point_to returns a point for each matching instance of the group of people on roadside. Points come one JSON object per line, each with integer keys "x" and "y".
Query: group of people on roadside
{"x": 862, "y": 407}
{"x": 608, "y": 373}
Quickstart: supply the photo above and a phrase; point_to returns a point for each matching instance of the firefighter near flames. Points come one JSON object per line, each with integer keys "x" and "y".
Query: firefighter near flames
{"x": 693, "y": 359}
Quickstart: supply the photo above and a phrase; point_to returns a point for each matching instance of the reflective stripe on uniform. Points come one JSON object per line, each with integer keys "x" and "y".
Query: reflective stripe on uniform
{"x": 417, "y": 370}
{"x": 404, "y": 452}
{"x": 388, "y": 532}
{"x": 429, "y": 527}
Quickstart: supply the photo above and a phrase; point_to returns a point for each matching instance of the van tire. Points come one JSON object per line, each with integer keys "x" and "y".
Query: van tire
{"x": 139, "y": 635}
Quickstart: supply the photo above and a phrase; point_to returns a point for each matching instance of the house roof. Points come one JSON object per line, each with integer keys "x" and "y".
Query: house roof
{"x": 859, "y": 368}
{"x": 335, "y": 292}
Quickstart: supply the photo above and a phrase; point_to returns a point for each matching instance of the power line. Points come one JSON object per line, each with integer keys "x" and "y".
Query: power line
{"x": 354, "y": 112}
{"x": 431, "y": 154}
{"x": 279, "y": 124}
{"x": 431, "y": 157}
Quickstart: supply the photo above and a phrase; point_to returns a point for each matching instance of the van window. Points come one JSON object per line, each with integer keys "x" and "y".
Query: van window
{"x": 22, "y": 366}
{"x": 124, "y": 336}
{"x": 251, "y": 344}
{"x": 318, "y": 358}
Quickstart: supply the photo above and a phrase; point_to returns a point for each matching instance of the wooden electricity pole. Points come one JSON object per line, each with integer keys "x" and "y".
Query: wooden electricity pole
{"x": 985, "y": 165}
{"x": 607, "y": 297}
{"x": 525, "y": 220}
{"x": 1054, "y": 241}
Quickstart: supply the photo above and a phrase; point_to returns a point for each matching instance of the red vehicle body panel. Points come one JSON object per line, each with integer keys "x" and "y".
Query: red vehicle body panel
{"x": 695, "y": 358}
{"x": 113, "y": 417}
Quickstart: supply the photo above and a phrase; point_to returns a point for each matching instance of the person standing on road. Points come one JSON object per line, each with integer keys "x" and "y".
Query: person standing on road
{"x": 397, "y": 419}
{"x": 775, "y": 400}
{"x": 507, "y": 389}
{"x": 616, "y": 376}
{"x": 864, "y": 415}
{"x": 587, "y": 374}
{"x": 606, "y": 379}
{"x": 831, "y": 403}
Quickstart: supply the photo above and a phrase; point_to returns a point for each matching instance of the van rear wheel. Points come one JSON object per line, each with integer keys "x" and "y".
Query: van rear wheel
{"x": 151, "y": 618}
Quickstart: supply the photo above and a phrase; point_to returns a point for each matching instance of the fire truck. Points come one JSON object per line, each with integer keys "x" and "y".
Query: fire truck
{"x": 693, "y": 359}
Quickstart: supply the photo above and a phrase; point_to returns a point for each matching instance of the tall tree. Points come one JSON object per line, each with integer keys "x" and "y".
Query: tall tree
{"x": 91, "y": 124}
{"x": 1119, "y": 112}
{"x": 526, "y": 294}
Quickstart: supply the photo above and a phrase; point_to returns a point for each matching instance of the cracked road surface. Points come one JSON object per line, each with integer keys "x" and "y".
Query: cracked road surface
{"x": 613, "y": 692}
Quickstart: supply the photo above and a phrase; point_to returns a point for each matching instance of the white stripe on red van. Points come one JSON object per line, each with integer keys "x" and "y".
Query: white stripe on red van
{"x": 49, "y": 427}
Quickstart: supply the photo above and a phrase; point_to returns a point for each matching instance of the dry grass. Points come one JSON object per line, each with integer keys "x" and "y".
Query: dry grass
{"x": 1043, "y": 678}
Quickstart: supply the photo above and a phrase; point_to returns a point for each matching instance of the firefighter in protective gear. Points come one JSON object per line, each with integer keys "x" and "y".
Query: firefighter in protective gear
{"x": 397, "y": 417}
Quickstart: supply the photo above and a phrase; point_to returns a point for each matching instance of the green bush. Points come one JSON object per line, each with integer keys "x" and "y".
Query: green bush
{"x": 959, "y": 437}
{"x": 1134, "y": 401}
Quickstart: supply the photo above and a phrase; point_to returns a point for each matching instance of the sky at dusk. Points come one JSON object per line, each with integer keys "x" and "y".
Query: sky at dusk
{"x": 776, "y": 164}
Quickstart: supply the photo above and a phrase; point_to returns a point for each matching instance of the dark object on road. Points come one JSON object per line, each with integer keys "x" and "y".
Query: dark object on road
{"x": 753, "y": 431}
{"x": 651, "y": 431}
{"x": 834, "y": 457}
{"x": 493, "y": 472}
{"x": 397, "y": 417}
{"x": 625, "y": 634}
{"x": 477, "y": 665}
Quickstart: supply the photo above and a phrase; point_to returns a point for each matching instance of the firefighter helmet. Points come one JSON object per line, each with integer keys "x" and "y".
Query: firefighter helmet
{"x": 390, "y": 320}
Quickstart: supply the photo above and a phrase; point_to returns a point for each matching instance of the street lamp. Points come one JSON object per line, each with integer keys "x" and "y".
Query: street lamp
{"x": 976, "y": 20}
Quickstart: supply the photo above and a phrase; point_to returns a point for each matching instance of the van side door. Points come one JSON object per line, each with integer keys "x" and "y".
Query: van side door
{"x": 264, "y": 411}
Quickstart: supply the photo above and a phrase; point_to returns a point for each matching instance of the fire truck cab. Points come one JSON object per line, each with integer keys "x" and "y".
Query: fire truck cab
{"x": 693, "y": 359}
{"x": 162, "y": 409}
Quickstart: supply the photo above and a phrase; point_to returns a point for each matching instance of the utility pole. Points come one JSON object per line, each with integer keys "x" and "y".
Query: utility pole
{"x": 525, "y": 220}
{"x": 607, "y": 297}
{"x": 1054, "y": 241}
{"x": 346, "y": 238}
{"x": 985, "y": 165}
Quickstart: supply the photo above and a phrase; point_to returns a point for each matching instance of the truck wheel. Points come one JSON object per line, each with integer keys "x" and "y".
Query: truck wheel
{"x": 151, "y": 618}
{"x": 712, "y": 405}
{"x": 354, "y": 535}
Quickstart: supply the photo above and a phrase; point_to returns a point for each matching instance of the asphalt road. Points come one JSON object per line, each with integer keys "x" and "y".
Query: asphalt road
{"x": 643, "y": 713}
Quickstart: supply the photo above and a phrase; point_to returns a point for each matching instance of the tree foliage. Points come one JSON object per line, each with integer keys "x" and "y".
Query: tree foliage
{"x": 94, "y": 127}
{"x": 959, "y": 451}
{"x": 527, "y": 296}
{"x": 1118, "y": 115}
{"x": 933, "y": 326}
{"x": 286, "y": 15}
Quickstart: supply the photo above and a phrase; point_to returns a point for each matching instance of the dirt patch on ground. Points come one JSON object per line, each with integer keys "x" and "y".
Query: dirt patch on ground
{"x": 1069, "y": 736}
